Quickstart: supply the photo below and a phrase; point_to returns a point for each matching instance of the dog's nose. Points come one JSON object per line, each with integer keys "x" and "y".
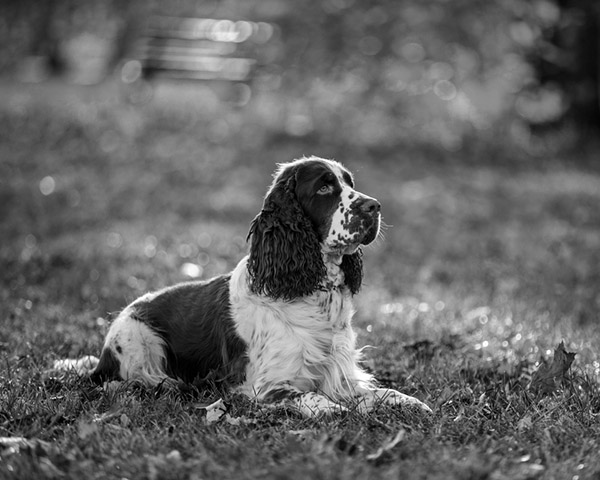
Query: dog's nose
{"x": 370, "y": 205}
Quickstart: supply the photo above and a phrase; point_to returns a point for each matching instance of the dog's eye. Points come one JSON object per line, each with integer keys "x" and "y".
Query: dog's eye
{"x": 325, "y": 190}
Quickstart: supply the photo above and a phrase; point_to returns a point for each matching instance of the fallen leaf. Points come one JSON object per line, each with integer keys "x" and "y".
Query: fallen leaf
{"x": 445, "y": 396}
{"x": 386, "y": 447}
{"x": 232, "y": 420}
{"x": 215, "y": 411}
{"x": 524, "y": 423}
{"x": 550, "y": 376}
{"x": 124, "y": 420}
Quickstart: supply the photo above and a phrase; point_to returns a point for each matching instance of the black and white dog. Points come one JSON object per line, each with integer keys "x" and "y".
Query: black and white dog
{"x": 281, "y": 321}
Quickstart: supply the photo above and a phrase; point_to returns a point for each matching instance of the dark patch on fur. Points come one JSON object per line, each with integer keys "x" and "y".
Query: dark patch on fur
{"x": 352, "y": 266}
{"x": 285, "y": 253}
{"x": 195, "y": 321}
{"x": 107, "y": 368}
{"x": 347, "y": 176}
{"x": 281, "y": 394}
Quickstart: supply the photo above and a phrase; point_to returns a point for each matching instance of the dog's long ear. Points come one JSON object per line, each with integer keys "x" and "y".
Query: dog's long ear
{"x": 352, "y": 266}
{"x": 285, "y": 258}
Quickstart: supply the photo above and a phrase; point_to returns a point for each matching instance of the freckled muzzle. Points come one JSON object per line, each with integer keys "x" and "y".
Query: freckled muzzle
{"x": 355, "y": 222}
{"x": 361, "y": 222}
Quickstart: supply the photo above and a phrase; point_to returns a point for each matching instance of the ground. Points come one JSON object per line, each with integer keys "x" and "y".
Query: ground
{"x": 487, "y": 262}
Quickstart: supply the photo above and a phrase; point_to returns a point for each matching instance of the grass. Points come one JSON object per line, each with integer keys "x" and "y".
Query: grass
{"x": 485, "y": 267}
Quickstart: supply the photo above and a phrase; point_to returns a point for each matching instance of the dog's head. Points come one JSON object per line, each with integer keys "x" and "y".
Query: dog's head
{"x": 311, "y": 210}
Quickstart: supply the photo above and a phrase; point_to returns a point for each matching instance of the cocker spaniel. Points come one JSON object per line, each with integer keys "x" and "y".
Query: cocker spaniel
{"x": 280, "y": 322}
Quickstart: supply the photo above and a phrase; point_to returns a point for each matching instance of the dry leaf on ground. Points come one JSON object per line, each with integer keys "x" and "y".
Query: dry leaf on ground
{"x": 550, "y": 376}
{"x": 389, "y": 445}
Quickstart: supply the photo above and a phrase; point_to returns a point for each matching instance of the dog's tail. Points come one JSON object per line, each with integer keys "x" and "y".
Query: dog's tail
{"x": 107, "y": 368}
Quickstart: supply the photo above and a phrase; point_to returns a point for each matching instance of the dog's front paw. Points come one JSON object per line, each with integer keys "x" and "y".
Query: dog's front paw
{"x": 393, "y": 397}
{"x": 312, "y": 404}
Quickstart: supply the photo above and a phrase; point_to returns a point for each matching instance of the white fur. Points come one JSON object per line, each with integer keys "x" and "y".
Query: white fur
{"x": 339, "y": 235}
{"x": 306, "y": 345}
{"x": 140, "y": 351}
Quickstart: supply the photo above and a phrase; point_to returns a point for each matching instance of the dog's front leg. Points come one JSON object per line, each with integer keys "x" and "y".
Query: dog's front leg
{"x": 309, "y": 404}
{"x": 371, "y": 398}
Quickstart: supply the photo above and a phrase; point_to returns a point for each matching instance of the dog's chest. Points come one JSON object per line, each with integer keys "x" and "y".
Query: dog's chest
{"x": 311, "y": 331}
{"x": 318, "y": 317}
{"x": 334, "y": 308}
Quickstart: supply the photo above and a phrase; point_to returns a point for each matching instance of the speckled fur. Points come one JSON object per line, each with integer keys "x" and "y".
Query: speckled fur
{"x": 348, "y": 226}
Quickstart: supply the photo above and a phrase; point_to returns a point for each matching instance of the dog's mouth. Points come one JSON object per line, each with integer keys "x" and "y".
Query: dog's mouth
{"x": 367, "y": 227}
{"x": 363, "y": 231}
{"x": 371, "y": 232}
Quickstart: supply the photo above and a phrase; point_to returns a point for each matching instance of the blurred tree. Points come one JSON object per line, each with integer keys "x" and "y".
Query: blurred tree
{"x": 78, "y": 38}
{"x": 566, "y": 58}
{"x": 45, "y": 43}
{"x": 26, "y": 31}
{"x": 576, "y": 65}
{"x": 377, "y": 72}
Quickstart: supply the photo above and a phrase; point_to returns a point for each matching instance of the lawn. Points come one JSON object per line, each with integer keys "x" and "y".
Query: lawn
{"x": 486, "y": 265}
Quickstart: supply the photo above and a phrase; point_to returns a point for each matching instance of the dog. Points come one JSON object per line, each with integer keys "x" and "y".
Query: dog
{"x": 280, "y": 322}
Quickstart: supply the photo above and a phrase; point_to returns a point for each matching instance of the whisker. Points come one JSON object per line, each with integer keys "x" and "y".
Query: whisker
{"x": 383, "y": 227}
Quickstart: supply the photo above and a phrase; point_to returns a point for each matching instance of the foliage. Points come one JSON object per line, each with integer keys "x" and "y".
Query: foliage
{"x": 378, "y": 73}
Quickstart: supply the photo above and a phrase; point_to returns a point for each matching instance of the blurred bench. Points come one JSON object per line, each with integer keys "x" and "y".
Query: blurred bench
{"x": 198, "y": 49}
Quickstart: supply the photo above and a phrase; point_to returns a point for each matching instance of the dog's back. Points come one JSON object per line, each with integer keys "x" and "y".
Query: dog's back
{"x": 185, "y": 332}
